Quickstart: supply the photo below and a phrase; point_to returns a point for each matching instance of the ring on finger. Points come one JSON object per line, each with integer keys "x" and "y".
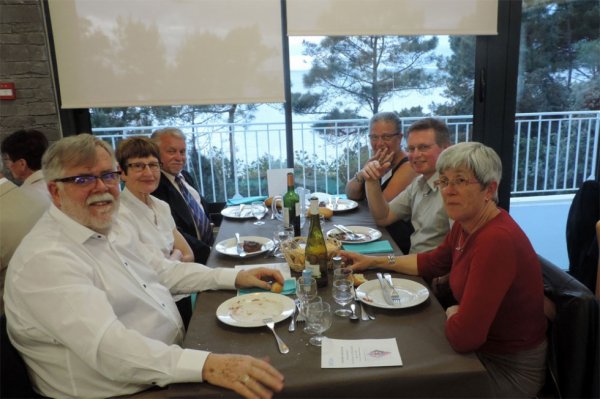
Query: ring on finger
{"x": 245, "y": 379}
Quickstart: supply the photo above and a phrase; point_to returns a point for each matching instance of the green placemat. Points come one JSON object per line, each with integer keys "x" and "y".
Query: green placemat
{"x": 289, "y": 288}
{"x": 374, "y": 247}
{"x": 246, "y": 200}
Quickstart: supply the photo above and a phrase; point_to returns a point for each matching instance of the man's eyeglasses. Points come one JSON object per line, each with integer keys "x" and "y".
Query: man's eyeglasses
{"x": 108, "y": 178}
{"x": 141, "y": 166}
{"x": 385, "y": 137}
{"x": 421, "y": 148}
{"x": 456, "y": 182}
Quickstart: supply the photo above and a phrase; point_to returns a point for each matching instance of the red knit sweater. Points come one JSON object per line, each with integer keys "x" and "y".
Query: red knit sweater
{"x": 497, "y": 280}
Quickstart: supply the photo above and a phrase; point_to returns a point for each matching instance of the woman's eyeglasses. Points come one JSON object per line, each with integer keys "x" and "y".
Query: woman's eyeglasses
{"x": 456, "y": 182}
{"x": 384, "y": 137}
{"x": 108, "y": 178}
{"x": 140, "y": 166}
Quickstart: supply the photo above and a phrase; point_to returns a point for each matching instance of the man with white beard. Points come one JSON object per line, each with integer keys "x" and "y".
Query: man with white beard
{"x": 90, "y": 308}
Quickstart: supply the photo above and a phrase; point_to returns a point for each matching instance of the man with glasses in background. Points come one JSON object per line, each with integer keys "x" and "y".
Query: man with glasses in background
{"x": 385, "y": 136}
{"x": 421, "y": 202}
{"x": 90, "y": 307}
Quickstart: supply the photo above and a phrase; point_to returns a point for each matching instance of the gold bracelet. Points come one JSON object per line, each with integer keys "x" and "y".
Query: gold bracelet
{"x": 391, "y": 259}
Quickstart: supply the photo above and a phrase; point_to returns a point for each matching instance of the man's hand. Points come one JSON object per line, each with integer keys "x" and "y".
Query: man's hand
{"x": 451, "y": 311}
{"x": 355, "y": 261}
{"x": 374, "y": 170}
{"x": 246, "y": 375}
{"x": 259, "y": 277}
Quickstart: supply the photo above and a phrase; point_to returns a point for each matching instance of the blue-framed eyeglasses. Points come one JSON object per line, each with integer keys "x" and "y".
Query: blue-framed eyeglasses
{"x": 140, "y": 166}
{"x": 108, "y": 178}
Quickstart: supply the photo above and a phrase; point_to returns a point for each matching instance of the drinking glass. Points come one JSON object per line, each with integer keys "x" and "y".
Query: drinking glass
{"x": 259, "y": 210}
{"x": 319, "y": 318}
{"x": 306, "y": 291}
{"x": 343, "y": 290}
{"x": 281, "y": 234}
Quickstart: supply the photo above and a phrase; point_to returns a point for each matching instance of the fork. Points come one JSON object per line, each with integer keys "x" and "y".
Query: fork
{"x": 283, "y": 348}
{"x": 395, "y": 296}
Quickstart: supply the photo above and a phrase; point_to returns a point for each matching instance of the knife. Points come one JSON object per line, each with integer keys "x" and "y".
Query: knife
{"x": 387, "y": 295}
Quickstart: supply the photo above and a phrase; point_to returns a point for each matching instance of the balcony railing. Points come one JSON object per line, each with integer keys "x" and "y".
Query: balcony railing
{"x": 554, "y": 152}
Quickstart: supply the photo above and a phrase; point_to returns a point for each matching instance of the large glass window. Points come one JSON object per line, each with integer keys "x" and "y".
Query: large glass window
{"x": 557, "y": 120}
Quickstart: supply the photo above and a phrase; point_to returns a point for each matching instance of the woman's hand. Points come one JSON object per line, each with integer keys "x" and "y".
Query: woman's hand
{"x": 451, "y": 311}
{"x": 355, "y": 261}
{"x": 246, "y": 375}
{"x": 259, "y": 277}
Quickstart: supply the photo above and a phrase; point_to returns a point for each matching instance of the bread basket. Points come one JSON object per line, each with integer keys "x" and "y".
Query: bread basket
{"x": 293, "y": 250}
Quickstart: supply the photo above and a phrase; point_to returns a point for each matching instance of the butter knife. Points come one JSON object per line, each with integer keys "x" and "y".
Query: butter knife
{"x": 385, "y": 290}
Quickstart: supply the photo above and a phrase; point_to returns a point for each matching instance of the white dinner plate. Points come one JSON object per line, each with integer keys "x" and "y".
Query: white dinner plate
{"x": 367, "y": 234}
{"x": 235, "y": 212}
{"x": 229, "y": 246}
{"x": 251, "y": 309}
{"x": 411, "y": 293}
{"x": 343, "y": 205}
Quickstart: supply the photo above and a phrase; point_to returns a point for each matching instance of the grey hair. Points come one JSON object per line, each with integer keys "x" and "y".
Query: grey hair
{"x": 386, "y": 117}
{"x": 167, "y": 131}
{"x": 479, "y": 158}
{"x": 72, "y": 151}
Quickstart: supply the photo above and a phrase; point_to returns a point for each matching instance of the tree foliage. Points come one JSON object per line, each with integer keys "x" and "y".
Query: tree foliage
{"x": 367, "y": 70}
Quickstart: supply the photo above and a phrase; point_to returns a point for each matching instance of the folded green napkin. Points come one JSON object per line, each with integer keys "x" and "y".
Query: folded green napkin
{"x": 246, "y": 200}
{"x": 289, "y": 288}
{"x": 374, "y": 247}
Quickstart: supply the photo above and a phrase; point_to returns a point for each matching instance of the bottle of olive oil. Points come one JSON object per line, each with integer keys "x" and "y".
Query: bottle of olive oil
{"x": 291, "y": 206}
{"x": 315, "y": 255}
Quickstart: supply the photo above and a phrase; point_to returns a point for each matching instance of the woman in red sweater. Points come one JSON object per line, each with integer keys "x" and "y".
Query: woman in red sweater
{"x": 495, "y": 275}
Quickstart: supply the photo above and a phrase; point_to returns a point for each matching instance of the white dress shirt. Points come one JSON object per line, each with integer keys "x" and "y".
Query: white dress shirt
{"x": 91, "y": 319}
{"x": 421, "y": 203}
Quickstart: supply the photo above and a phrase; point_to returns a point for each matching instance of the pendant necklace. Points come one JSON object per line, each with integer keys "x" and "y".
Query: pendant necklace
{"x": 462, "y": 241}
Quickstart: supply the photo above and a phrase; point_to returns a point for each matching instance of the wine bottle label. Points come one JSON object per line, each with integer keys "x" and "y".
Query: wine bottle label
{"x": 298, "y": 208}
{"x": 286, "y": 217}
{"x": 316, "y": 271}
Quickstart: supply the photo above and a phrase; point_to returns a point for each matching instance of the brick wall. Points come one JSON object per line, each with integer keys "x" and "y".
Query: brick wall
{"x": 24, "y": 61}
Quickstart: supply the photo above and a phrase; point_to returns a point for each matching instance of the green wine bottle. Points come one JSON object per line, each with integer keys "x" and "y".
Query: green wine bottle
{"x": 291, "y": 206}
{"x": 315, "y": 255}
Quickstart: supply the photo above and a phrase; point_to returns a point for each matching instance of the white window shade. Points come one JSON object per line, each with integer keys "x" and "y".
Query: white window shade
{"x": 116, "y": 53}
{"x": 391, "y": 17}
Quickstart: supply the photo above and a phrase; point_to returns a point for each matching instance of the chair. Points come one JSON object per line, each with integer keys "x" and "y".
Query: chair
{"x": 573, "y": 334}
{"x": 14, "y": 377}
{"x": 582, "y": 245}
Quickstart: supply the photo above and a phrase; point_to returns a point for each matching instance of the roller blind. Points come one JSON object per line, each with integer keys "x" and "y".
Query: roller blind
{"x": 116, "y": 53}
{"x": 391, "y": 17}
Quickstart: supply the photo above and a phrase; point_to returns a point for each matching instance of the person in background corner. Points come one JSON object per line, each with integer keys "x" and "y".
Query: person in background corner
{"x": 138, "y": 158}
{"x": 89, "y": 306}
{"x": 175, "y": 188}
{"x": 495, "y": 274}
{"x": 385, "y": 135}
{"x": 22, "y": 155}
{"x": 19, "y": 211}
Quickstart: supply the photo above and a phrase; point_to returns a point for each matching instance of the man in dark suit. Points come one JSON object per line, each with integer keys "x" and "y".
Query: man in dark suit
{"x": 176, "y": 189}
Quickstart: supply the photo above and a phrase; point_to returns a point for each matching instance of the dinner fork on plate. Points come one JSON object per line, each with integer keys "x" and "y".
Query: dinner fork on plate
{"x": 395, "y": 296}
{"x": 283, "y": 348}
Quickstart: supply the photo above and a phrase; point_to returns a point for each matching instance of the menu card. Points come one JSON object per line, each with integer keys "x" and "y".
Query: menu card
{"x": 349, "y": 353}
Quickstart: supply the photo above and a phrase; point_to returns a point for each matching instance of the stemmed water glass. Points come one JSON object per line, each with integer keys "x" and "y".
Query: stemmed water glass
{"x": 259, "y": 210}
{"x": 281, "y": 234}
{"x": 343, "y": 290}
{"x": 318, "y": 318}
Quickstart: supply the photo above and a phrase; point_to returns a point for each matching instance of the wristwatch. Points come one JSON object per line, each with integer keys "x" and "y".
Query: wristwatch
{"x": 358, "y": 178}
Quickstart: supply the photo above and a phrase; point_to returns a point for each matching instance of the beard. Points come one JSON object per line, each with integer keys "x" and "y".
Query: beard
{"x": 100, "y": 220}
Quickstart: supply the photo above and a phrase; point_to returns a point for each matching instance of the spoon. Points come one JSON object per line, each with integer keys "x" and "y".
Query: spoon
{"x": 239, "y": 247}
{"x": 353, "y": 316}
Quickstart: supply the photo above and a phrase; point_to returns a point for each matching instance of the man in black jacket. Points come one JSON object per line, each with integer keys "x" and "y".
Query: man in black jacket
{"x": 176, "y": 189}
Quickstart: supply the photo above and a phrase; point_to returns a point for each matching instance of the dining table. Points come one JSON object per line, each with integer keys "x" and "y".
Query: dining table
{"x": 430, "y": 367}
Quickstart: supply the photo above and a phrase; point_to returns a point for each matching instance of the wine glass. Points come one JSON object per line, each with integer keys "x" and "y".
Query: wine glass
{"x": 259, "y": 210}
{"x": 319, "y": 318}
{"x": 281, "y": 234}
{"x": 343, "y": 290}
{"x": 306, "y": 291}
